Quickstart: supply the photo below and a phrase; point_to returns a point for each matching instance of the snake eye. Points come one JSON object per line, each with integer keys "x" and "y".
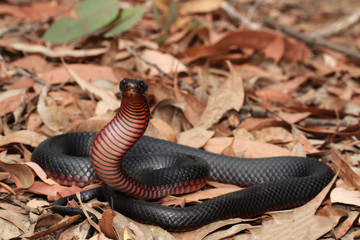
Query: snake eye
{"x": 123, "y": 84}
{"x": 142, "y": 86}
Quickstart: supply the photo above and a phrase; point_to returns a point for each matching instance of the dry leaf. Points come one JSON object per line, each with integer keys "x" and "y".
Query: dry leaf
{"x": 21, "y": 171}
{"x": 346, "y": 173}
{"x": 200, "y": 6}
{"x": 85, "y": 71}
{"x": 53, "y": 116}
{"x": 250, "y": 149}
{"x": 107, "y": 97}
{"x": 164, "y": 130}
{"x": 106, "y": 223}
{"x": 166, "y": 62}
{"x": 300, "y": 223}
{"x": 66, "y": 222}
{"x": 255, "y": 39}
{"x": 344, "y": 196}
{"x": 36, "y": 203}
{"x": 19, "y": 220}
{"x": 229, "y": 96}
{"x": 347, "y": 224}
{"x": 31, "y": 48}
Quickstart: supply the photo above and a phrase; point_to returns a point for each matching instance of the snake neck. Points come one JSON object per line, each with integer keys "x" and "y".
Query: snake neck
{"x": 116, "y": 139}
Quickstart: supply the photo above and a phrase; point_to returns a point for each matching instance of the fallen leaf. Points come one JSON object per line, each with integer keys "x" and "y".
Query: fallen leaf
{"x": 17, "y": 219}
{"x": 250, "y": 149}
{"x": 32, "y": 63}
{"x": 53, "y": 116}
{"x": 273, "y": 135}
{"x": 292, "y": 118}
{"x": 107, "y": 96}
{"x": 66, "y": 222}
{"x": 200, "y": 6}
{"x": 21, "y": 171}
{"x": 255, "y": 39}
{"x": 106, "y": 223}
{"x": 165, "y": 61}
{"x": 347, "y": 224}
{"x": 301, "y": 222}
{"x": 85, "y": 71}
{"x": 31, "y": 48}
{"x": 344, "y": 196}
{"x": 229, "y": 96}
{"x": 9, "y": 230}
{"x": 12, "y": 10}
{"x": 346, "y": 173}
{"x": 36, "y": 203}
{"x": 164, "y": 130}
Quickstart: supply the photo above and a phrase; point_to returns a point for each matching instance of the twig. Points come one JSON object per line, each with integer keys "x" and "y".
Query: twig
{"x": 21, "y": 72}
{"x": 348, "y": 51}
{"x": 338, "y": 26}
{"x": 231, "y": 11}
{"x": 136, "y": 54}
{"x": 328, "y": 122}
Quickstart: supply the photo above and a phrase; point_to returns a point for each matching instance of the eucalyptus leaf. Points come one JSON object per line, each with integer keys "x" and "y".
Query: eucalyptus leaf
{"x": 128, "y": 18}
{"x": 93, "y": 15}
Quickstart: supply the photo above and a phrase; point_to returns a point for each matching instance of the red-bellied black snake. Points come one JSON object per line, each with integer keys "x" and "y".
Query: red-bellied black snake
{"x": 144, "y": 169}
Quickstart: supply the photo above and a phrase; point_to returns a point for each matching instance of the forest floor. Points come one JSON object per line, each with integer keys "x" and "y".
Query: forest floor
{"x": 244, "y": 78}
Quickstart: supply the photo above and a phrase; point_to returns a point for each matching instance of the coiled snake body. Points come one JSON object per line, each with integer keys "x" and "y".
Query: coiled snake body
{"x": 123, "y": 163}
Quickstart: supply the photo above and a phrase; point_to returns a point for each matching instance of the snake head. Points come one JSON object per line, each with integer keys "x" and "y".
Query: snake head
{"x": 133, "y": 87}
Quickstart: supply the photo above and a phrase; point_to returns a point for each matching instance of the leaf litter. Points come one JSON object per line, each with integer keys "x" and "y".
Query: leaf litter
{"x": 215, "y": 82}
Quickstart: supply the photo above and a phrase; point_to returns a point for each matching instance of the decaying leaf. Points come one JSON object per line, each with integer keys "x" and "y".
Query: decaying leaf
{"x": 229, "y": 96}
{"x": 249, "y": 148}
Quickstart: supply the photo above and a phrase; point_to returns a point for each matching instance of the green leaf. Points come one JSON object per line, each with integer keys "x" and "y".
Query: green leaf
{"x": 93, "y": 15}
{"x": 129, "y": 18}
{"x": 172, "y": 14}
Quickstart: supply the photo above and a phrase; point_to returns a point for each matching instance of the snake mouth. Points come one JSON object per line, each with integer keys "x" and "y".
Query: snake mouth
{"x": 133, "y": 87}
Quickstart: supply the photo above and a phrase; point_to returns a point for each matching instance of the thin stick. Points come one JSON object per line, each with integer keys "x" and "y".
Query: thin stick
{"x": 231, "y": 11}
{"x": 21, "y": 72}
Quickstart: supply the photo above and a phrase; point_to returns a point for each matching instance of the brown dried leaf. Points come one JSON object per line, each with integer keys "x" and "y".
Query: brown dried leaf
{"x": 54, "y": 117}
{"x": 40, "y": 173}
{"x": 344, "y": 196}
{"x": 17, "y": 219}
{"x": 248, "y": 71}
{"x": 273, "y": 135}
{"x": 166, "y": 62}
{"x": 9, "y": 230}
{"x": 292, "y": 118}
{"x": 85, "y": 71}
{"x": 254, "y": 39}
{"x": 348, "y": 175}
{"x": 108, "y": 98}
{"x": 31, "y": 48}
{"x": 250, "y": 149}
{"x": 66, "y": 222}
{"x": 163, "y": 130}
{"x": 54, "y": 191}
{"x": 300, "y": 223}
{"x": 347, "y": 224}
{"x": 200, "y": 6}
{"x": 196, "y": 197}
{"x": 21, "y": 171}
{"x": 31, "y": 63}
{"x": 204, "y": 231}
{"x": 36, "y": 203}
{"x": 106, "y": 223}
{"x": 10, "y": 100}
{"x": 229, "y": 96}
